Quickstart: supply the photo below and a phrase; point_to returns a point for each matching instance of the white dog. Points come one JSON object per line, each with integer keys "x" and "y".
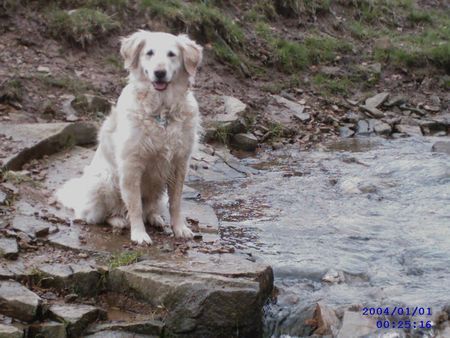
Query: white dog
{"x": 146, "y": 142}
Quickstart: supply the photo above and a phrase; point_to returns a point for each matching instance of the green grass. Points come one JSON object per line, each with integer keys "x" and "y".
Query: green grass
{"x": 431, "y": 46}
{"x": 73, "y": 85}
{"x": 81, "y": 26}
{"x": 291, "y": 56}
{"x": 205, "y": 22}
{"x": 417, "y": 17}
{"x": 294, "y": 8}
{"x": 332, "y": 86}
{"x": 11, "y": 90}
{"x": 198, "y": 19}
{"x": 124, "y": 258}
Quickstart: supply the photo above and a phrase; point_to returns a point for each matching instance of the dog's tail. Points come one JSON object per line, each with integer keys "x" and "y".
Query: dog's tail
{"x": 73, "y": 195}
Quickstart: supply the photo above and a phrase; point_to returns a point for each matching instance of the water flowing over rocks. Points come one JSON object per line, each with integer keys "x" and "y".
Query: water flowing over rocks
{"x": 9, "y": 331}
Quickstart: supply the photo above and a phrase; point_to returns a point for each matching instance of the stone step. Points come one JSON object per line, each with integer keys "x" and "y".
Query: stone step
{"x": 18, "y": 302}
{"x": 202, "y": 293}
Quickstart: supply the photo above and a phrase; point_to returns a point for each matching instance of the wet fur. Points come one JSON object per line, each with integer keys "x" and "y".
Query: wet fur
{"x": 138, "y": 161}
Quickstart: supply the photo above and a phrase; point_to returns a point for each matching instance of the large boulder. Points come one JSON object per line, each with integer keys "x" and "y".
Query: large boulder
{"x": 77, "y": 317}
{"x": 35, "y": 140}
{"x": 18, "y": 302}
{"x": 204, "y": 295}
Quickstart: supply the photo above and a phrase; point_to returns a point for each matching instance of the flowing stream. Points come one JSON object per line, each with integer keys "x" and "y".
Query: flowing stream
{"x": 362, "y": 222}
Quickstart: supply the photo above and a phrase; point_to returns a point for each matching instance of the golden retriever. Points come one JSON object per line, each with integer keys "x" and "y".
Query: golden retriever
{"x": 146, "y": 142}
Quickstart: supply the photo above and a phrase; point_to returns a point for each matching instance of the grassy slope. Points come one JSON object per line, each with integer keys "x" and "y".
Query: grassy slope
{"x": 279, "y": 44}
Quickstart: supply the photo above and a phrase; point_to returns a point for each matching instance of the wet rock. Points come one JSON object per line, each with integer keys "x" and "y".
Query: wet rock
{"x": 364, "y": 128}
{"x": 81, "y": 276}
{"x": 9, "y": 248}
{"x": 295, "y": 109}
{"x": 395, "y": 101}
{"x": 201, "y": 291}
{"x": 18, "y": 302}
{"x": 13, "y": 269}
{"x": 9, "y": 331}
{"x": 245, "y": 141}
{"x": 382, "y": 128}
{"x": 352, "y": 117}
{"x": 30, "y": 225}
{"x": 409, "y": 130}
{"x": 77, "y": 317}
{"x": 377, "y": 100}
{"x": 333, "y": 276}
{"x": 148, "y": 327}
{"x": 33, "y": 141}
{"x": 441, "y": 147}
{"x": 346, "y": 132}
{"x": 190, "y": 193}
{"x": 218, "y": 167}
{"x": 355, "y": 325}
{"x": 47, "y": 329}
{"x": 233, "y": 106}
{"x": 229, "y": 117}
{"x": 326, "y": 320}
{"x": 296, "y": 322}
{"x": 202, "y": 214}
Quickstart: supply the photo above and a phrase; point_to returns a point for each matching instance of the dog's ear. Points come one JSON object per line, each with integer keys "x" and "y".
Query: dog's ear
{"x": 130, "y": 49}
{"x": 192, "y": 54}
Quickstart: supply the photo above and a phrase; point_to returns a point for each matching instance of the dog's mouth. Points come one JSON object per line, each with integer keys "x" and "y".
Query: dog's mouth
{"x": 160, "y": 85}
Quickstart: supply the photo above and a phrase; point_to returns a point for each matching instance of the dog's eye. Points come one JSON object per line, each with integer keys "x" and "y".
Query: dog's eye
{"x": 150, "y": 52}
{"x": 171, "y": 54}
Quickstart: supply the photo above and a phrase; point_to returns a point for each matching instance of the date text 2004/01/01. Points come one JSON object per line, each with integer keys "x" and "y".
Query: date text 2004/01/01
{"x": 400, "y": 311}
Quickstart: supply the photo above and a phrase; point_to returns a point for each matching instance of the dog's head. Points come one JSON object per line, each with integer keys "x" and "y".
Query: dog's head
{"x": 160, "y": 58}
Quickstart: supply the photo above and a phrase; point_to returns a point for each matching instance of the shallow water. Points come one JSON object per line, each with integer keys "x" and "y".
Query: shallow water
{"x": 376, "y": 212}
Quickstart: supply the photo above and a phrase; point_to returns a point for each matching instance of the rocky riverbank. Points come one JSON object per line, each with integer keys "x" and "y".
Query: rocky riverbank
{"x": 60, "y": 278}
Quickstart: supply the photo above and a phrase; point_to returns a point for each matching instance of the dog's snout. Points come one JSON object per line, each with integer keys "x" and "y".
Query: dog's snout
{"x": 160, "y": 74}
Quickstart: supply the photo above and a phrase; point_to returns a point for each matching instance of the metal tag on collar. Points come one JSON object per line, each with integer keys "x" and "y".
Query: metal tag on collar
{"x": 161, "y": 120}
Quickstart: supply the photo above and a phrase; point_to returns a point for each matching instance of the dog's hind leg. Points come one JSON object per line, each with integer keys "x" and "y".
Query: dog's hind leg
{"x": 118, "y": 222}
{"x": 153, "y": 211}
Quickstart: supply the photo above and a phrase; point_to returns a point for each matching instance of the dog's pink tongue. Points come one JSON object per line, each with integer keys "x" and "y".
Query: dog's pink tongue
{"x": 160, "y": 85}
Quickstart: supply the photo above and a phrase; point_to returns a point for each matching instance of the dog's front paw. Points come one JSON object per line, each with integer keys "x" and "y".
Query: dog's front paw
{"x": 182, "y": 231}
{"x": 140, "y": 237}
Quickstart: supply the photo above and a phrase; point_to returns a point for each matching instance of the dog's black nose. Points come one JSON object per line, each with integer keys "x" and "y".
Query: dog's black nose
{"x": 160, "y": 74}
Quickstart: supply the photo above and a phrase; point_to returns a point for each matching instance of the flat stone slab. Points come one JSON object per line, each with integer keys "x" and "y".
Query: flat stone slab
{"x": 47, "y": 329}
{"x": 77, "y": 317}
{"x": 147, "y": 327}
{"x": 81, "y": 276}
{"x": 207, "y": 167}
{"x": 409, "y": 130}
{"x": 9, "y": 331}
{"x": 441, "y": 147}
{"x": 12, "y": 269}
{"x": 118, "y": 334}
{"x": 201, "y": 291}
{"x": 30, "y": 225}
{"x": 34, "y": 140}
{"x": 18, "y": 302}
{"x": 9, "y": 248}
